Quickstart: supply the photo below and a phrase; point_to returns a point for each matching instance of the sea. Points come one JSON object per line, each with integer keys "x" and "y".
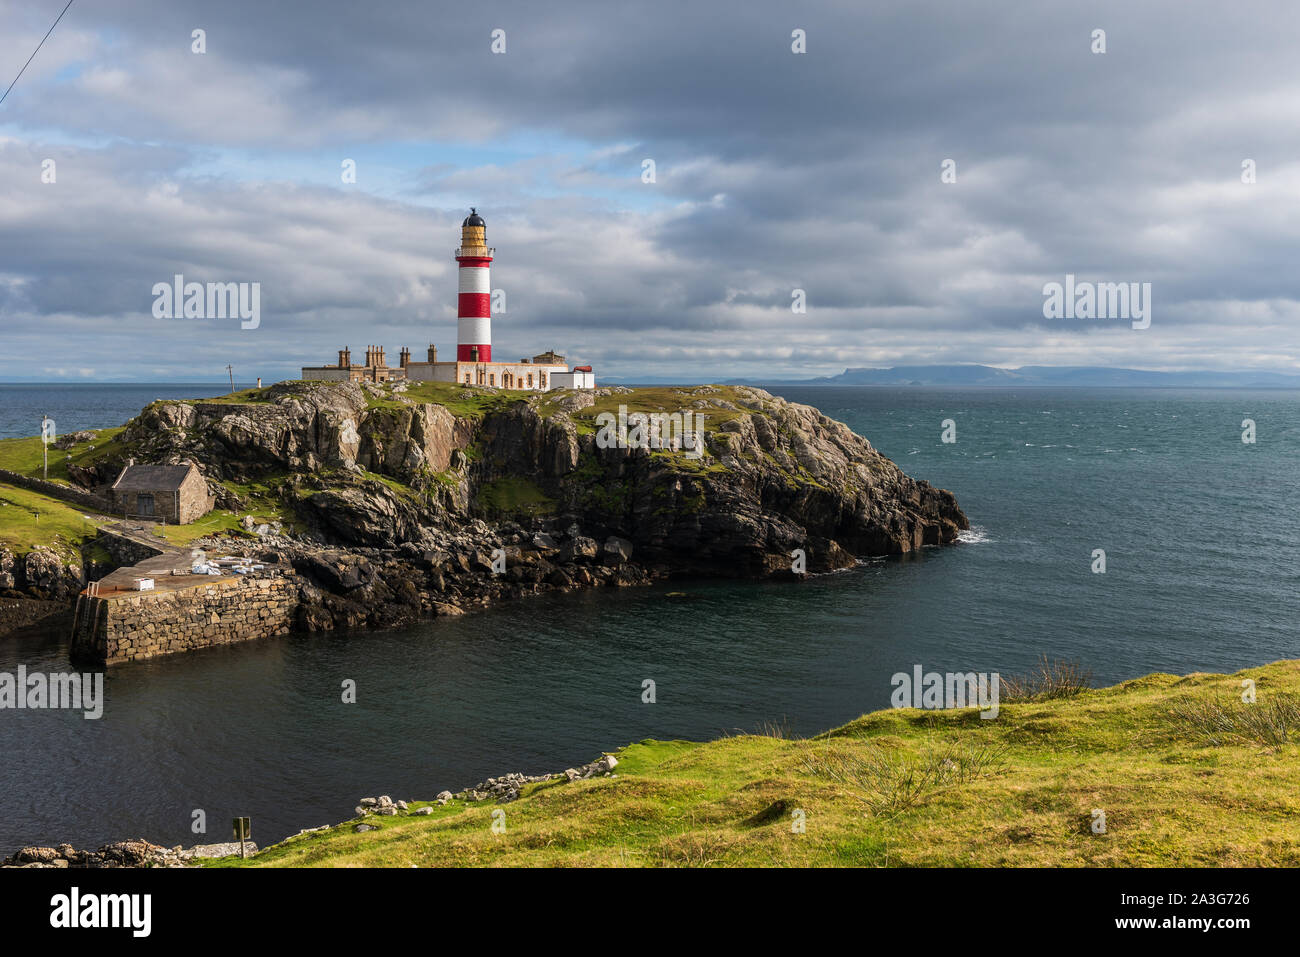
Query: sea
{"x": 1200, "y": 533}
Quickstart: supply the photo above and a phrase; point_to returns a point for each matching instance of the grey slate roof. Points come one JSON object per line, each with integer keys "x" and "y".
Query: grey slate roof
{"x": 152, "y": 478}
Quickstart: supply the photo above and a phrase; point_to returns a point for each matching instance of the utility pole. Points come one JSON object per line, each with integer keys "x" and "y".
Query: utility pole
{"x": 231, "y": 370}
{"x": 45, "y": 447}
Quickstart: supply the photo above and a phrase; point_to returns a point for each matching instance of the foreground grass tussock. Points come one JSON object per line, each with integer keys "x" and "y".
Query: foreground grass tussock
{"x": 1186, "y": 773}
{"x": 1273, "y": 724}
{"x": 1052, "y": 678}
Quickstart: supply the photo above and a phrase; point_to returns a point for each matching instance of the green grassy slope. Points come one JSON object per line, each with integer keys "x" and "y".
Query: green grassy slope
{"x": 28, "y": 519}
{"x": 24, "y": 455}
{"x": 1186, "y": 773}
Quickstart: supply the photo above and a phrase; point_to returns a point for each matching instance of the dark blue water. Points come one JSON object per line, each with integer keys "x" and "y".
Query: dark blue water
{"x": 1200, "y": 531}
{"x": 75, "y": 406}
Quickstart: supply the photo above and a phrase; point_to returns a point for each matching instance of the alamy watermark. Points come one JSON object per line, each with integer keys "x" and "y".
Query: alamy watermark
{"x": 1103, "y": 300}
{"x": 668, "y": 431}
{"x": 215, "y": 300}
{"x": 75, "y": 910}
{"x": 36, "y": 691}
{"x": 932, "y": 690}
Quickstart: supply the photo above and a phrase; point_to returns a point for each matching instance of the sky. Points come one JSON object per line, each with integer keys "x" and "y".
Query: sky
{"x": 779, "y": 176}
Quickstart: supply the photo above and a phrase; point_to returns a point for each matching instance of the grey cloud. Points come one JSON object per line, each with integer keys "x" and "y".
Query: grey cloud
{"x": 818, "y": 171}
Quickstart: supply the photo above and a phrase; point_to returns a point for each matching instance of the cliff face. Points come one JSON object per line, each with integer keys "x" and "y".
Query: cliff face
{"x": 380, "y": 466}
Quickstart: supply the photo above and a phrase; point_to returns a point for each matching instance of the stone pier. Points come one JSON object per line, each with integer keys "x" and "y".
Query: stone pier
{"x": 181, "y": 616}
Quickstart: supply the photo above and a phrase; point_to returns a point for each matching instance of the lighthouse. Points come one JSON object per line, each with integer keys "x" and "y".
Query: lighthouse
{"x": 474, "y": 305}
{"x": 473, "y": 365}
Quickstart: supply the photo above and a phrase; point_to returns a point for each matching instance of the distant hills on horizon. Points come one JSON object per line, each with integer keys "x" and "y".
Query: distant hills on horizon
{"x": 937, "y": 376}
{"x": 979, "y": 376}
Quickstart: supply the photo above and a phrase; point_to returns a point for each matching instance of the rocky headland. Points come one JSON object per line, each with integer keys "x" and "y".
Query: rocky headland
{"x": 388, "y": 503}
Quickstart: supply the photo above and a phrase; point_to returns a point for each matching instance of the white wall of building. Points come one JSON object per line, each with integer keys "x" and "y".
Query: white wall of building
{"x": 573, "y": 380}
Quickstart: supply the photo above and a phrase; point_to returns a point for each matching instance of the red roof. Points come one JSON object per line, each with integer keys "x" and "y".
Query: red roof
{"x": 582, "y": 368}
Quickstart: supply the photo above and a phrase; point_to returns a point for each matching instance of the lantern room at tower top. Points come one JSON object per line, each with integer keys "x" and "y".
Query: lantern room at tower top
{"x": 473, "y": 364}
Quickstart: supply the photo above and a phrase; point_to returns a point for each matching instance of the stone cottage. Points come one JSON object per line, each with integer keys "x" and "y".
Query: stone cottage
{"x": 170, "y": 493}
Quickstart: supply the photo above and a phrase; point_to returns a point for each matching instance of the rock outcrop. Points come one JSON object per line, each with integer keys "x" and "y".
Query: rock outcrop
{"x": 376, "y": 467}
{"x": 41, "y": 573}
{"x": 130, "y": 853}
{"x": 391, "y": 503}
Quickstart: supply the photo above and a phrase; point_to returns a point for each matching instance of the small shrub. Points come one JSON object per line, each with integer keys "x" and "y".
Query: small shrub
{"x": 1053, "y": 678}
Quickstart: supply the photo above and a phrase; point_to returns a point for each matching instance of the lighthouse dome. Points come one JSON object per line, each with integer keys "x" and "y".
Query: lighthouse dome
{"x": 473, "y": 219}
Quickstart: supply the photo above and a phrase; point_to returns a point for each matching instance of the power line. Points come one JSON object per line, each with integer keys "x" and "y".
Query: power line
{"x": 36, "y": 51}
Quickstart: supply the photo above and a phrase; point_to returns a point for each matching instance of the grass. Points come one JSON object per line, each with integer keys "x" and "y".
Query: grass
{"x": 907, "y": 788}
{"x": 666, "y": 399}
{"x": 888, "y": 783}
{"x": 513, "y": 495}
{"x": 218, "y": 522}
{"x": 24, "y": 455}
{"x": 28, "y": 519}
{"x": 466, "y": 401}
{"x": 261, "y": 500}
{"x": 243, "y": 397}
{"x": 1274, "y": 724}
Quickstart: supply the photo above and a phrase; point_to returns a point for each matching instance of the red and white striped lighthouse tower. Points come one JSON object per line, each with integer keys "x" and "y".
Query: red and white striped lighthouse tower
{"x": 474, "y": 305}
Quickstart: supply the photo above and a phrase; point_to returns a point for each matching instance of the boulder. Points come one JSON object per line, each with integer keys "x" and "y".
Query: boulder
{"x": 616, "y": 551}
{"x": 579, "y": 549}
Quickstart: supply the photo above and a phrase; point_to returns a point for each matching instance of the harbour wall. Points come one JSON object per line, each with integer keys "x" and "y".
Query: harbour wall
{"x": 134, "y": 626}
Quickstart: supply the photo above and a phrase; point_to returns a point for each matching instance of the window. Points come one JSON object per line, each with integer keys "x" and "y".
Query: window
{"x": 492, "y": 378}
{"x": 541, "y": 379}
{"x": 530, "y": 380}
